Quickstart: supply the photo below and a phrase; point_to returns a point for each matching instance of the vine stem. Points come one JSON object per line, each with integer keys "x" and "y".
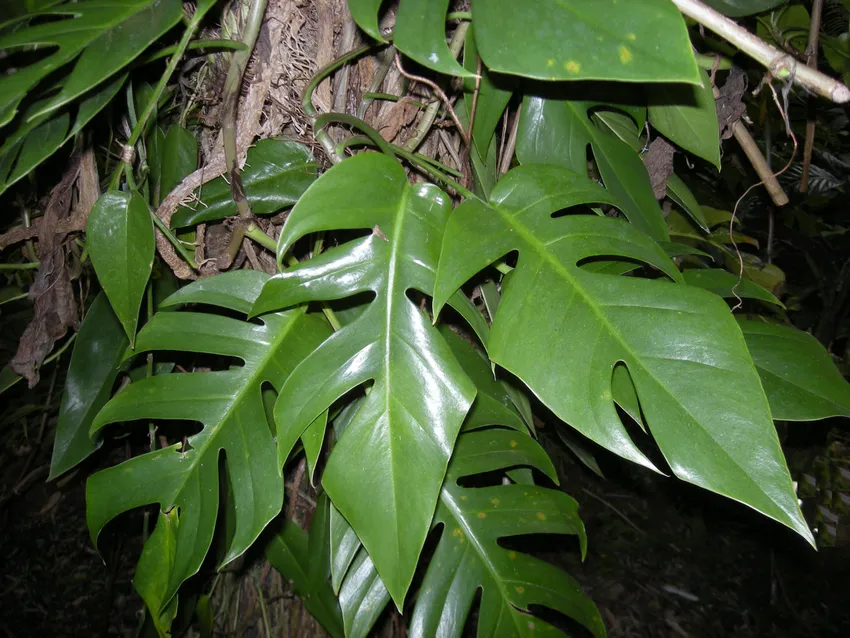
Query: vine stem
{"x": 780, "y": 64}
{"x": 232, "y": 86}
{"x": 139, "y": 128}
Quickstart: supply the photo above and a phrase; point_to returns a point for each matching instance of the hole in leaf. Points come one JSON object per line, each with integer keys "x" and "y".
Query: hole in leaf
{"x": 15, "y": 60}
{"x": 569, "y": 626}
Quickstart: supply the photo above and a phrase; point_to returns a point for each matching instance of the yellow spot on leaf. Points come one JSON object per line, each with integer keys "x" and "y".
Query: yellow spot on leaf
{"x": 550, "y": 62}
{"x": 520, "y": 590}
{"x": 631, "y": 36}
{"x": 541, "y": 516}
{"x": 572, "y": 66}
{"x": 495, "y": 502}
{"x": 463, "y": 497}
{"x": 512, "y": 555}
{"x": 513, "y": 443}
{"x": 625, "y": 55}
{"x": 482, "y": 515}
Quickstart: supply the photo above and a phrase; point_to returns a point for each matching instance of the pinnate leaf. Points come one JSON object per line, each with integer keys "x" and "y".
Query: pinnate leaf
{"x": 558, "y": 131}
{"x": 562, "y": 330}
{"x": 469, "y": 557}
{"x": 99, "y": 38}
{"x": 385, "y": 471}
{"x": 229, "y": 406}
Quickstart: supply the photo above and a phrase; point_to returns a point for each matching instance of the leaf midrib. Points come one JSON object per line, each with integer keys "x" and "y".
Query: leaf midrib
{"x": 237, "y": 398}
{"x": 539, "y": 247}
{"x": 456, "y": 511}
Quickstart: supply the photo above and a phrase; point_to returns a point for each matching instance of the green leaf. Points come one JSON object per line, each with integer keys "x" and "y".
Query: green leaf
{"x": 725, "y": 284}
{"x": 95, "y": 364}
{"x": 155, "y": 565}
{"x": 558, "y": 131}
{"x": 155, "y": 145}
{"x": 8, "y": 378}
{"x": 302, "y": 560}
{"x": 96, "y": 38}
{"x": 179, "y": 158}
{"x": 585, "y": 40}
{"x": 385, "y": 472}
{"x": 468, "y": 556}
{"x": 35, "y": 140}
{"x": 420, "y": 33}
{"x": 562, "y": 330}
{"x": 276, "y": 174}
{"x": 120, "y": 239}
{"x": 228, "y": 404}
{"x": 678, "y": 191}
{"x": 741, "y": 8}
{"x": 799, "y": 377}
{"x": 686, "y": 115}
{"x": 365, "y": 14}
{"x": 362, "y": 597}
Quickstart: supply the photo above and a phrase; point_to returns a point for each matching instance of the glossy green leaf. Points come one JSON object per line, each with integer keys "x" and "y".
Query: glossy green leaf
{"x": 365, "y": 14}
{"x": 179, "y": 158}
{"x": 277, "y": 173}
{"x": 227, "y": 403}
{"x": 585, "y": 40}
{"x": 302, "y": 559}
{"x": 384, "y": 473}
{"x": 155, "y": 565}
{"x": 725, "y": 284}
{"x": 562, "y": 330}
{"x": 678, "y": 191}
{"x": 98, "y": 38}
{"x": 558, "y": 132}
{"x": 155, "y": 145}
{"x": 362, "y": 597}
{"x": 620, "y": 125}
{"x": 95, "y": 364}
{"x": 420, "y": 33}
{"x": 686, "y": 115}
{"x": 120, "y": 239}
{"x": 34, "y": 141}
{"x": 799, "y": 377}
{"x": 468, "y": 556}
{"x": 741, "y": 8}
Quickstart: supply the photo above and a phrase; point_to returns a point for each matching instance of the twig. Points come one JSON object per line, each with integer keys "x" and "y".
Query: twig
{"x": 510, "y": 147}
{"x": 754, "y": 154}
{"x": 427, "y": 120}
{"x": 230, "y": 99}
{"x": 779, "y": 63}
{"x": 615, "y": 510}
{"x": 773, "y": 176}
{"x": 812, "y": 63}
{"x": 437, "y": 90}
{"x": 249, "y": 116}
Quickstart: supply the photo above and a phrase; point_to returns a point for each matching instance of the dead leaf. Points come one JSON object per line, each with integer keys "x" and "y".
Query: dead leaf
{"x": 54, "y": 306}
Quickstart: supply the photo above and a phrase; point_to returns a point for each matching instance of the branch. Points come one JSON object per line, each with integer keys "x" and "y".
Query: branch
{"x": 812, "y": 63}
{"x": 780, "y": 64}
